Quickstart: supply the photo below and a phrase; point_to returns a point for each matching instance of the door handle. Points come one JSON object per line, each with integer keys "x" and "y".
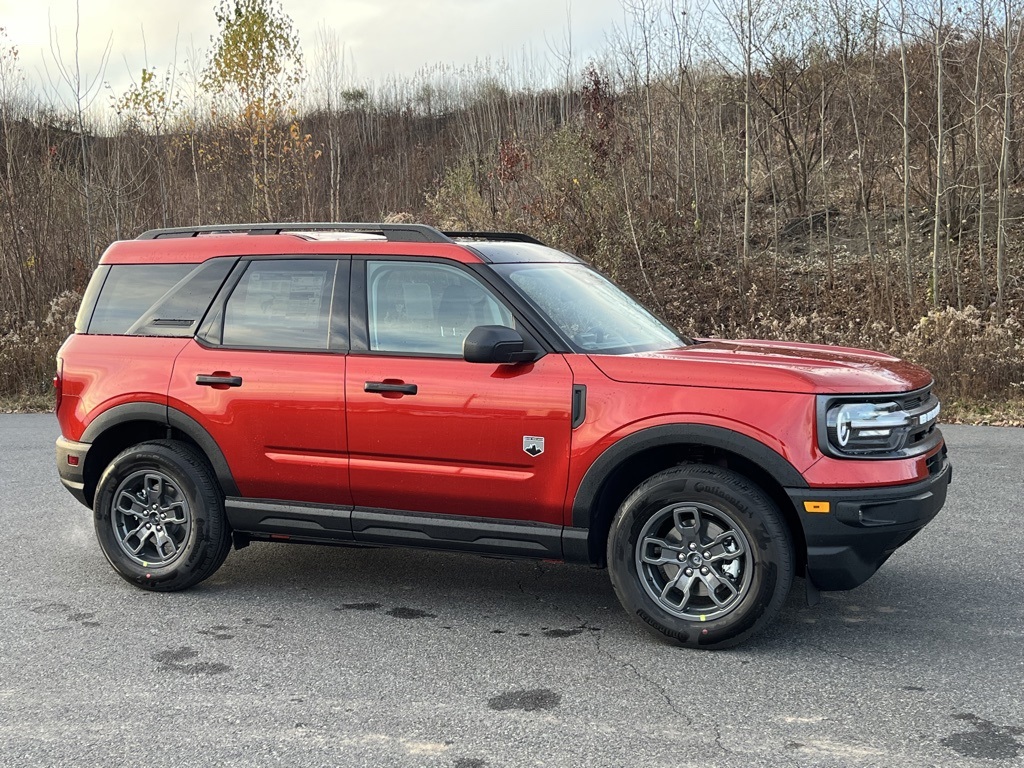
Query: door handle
{"x": 386, "y": 386}
{"x": 219, "y": 380}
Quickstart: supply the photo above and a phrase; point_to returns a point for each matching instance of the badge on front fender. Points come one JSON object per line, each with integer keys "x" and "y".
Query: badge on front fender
{"x": 533, "y": 445}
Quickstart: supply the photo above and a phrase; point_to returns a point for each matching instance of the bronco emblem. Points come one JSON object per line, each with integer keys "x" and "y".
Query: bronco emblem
{"x": 533, "y": 445}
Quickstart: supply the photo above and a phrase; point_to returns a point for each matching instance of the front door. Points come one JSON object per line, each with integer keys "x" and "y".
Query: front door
{"x": 429, "y": 432}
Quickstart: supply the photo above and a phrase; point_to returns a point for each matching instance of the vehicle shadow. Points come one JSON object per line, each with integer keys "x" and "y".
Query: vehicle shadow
{"x": 897, "y": 608}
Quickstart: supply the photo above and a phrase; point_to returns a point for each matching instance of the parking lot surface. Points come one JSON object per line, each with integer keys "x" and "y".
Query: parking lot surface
{"x": 318, "y": 656}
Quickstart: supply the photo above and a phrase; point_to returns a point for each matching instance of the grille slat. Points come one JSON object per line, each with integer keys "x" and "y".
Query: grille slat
{"x": 917, "y": 404}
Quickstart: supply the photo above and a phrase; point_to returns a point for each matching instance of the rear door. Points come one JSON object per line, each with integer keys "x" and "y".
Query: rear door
{"x": 429, "y": 432}
{"x": 265, "y": 377}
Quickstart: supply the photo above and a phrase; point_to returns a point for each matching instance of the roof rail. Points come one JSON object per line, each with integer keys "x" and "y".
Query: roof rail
{"x": 514, "y": 237}
{"x": 401, "y": 233}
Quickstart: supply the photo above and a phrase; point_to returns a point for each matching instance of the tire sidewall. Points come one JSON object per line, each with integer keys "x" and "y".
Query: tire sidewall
{"x": 752, "y": 511}
{"x": 160, "y": 458}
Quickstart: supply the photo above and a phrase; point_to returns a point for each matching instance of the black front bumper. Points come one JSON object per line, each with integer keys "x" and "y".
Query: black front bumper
{"x": 865, "y": 526}
{"x": 72, "y": 475}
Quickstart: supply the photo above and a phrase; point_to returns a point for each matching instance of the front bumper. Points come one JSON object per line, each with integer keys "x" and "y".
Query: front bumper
{"x": 72, "y": 475}
{"x": 865, "y": 525}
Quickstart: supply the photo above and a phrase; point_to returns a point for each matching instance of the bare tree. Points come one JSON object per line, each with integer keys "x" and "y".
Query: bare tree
{"x": 940, "y": 209}
{"x": 11, "y": 83}
{"x": 84, "y": 90}
{"x": 979, "y": 155}
{"x": 1011, "y": 37}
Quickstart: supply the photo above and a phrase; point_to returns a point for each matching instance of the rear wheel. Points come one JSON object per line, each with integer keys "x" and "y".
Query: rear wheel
{"x": 701, "y": 556}
{"x": 159, "y": 516}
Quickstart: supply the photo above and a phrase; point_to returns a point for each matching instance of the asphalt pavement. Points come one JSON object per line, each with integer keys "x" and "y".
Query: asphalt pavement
{"x": 320, "y": 656}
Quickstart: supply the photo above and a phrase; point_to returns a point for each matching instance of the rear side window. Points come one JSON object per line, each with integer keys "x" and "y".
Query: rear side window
{"x": 281, "y": 305}
{"x": 157, "y": 299}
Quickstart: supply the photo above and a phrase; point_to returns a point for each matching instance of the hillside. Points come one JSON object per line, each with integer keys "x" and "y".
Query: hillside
{"x": 838, "y": 172}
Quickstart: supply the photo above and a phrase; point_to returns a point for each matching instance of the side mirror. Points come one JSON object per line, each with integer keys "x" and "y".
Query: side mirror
{"x": 496, "y": 344}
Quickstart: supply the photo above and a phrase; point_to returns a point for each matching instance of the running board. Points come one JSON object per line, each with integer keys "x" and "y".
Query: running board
{"x": 284, "y": 521}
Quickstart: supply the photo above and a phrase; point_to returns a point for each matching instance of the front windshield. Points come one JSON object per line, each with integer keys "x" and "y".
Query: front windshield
{"x": 593, "y": 314}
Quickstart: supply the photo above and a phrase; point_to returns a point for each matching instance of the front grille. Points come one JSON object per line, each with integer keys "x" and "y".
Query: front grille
{"x": 918, "y": 404}
{"x": 920, "y": 435}
{"x": 914, "y": 400}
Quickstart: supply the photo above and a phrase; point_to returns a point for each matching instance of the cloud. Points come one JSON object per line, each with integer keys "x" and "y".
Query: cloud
{"x": 384, "y": 38}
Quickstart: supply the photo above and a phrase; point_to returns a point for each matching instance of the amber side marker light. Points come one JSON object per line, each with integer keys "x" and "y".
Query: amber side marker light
{"x": 821, "y": 507}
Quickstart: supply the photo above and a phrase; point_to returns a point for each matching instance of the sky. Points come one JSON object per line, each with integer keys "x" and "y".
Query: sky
{"x": 380, "y": 38}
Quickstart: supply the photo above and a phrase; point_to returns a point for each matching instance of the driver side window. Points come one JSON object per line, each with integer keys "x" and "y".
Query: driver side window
{"x": 426, "y": 308}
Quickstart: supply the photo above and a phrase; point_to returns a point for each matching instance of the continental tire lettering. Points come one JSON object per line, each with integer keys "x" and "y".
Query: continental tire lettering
{"x": 700, "y": 487}
{"x": 682, "y": 637}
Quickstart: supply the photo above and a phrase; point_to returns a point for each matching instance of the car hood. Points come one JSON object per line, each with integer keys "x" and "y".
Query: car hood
{"x": 768, "y": 366}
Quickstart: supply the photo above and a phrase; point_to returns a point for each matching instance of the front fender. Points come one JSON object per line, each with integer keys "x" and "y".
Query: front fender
{"x": 644, "y": 439}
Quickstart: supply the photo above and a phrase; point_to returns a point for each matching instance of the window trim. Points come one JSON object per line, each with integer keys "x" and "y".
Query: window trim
{"x": 83, "y": 319}
{"x": 193, "y": 327}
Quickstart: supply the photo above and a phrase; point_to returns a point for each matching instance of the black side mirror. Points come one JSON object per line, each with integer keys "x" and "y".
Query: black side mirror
{"x": 496, "y": 344}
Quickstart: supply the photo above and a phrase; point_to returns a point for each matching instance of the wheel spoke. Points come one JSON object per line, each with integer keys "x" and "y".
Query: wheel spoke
{"x": 176, "y": 514}
{"x": 714, "y": 582}
{"x": 669, "y": 552}
{"x": 135, "y": 508}
{"x": 685, "y": 590}
{"x": 725, "y": 554}
{"x": 154, "y": 486}
{"x": 689, "y": 531}
{"x": 165, "y": 542}
{"x": 140, "y": 534}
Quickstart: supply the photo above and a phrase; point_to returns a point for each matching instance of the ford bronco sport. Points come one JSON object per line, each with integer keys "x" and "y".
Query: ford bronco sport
{"x": 390, "y": 384}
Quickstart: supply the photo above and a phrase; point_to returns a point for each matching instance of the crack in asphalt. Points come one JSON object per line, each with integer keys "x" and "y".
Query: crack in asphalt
{"x": 624, "y": 664}
{"x": 629, "y": 667}
{"x": 621, "y": 663}
{"x": 718, "y": 740}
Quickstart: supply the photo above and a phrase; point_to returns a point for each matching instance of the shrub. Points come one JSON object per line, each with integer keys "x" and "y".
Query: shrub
{"x": 28, "y": 349}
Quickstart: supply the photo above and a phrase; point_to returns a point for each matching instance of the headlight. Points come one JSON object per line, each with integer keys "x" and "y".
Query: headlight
{"x": 866, "y": 428}
{"x": 889, "y": 426}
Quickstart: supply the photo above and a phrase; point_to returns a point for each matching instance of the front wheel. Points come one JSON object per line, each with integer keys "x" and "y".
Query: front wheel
{"x": 701, "y": 556}
{"x": 160, "y": 517}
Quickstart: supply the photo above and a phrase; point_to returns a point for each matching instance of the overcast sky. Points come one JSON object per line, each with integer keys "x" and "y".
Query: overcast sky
{"x": 381, "y": 37}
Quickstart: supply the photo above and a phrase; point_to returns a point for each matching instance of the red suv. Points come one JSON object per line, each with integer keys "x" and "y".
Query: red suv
{"x": 390, "y": 384}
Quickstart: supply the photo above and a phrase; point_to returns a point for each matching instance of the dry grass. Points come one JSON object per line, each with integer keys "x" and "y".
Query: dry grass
{"x": 28, "y": 351}
{"x": 26, "y": 403}
{"x": 1004, "y": 413}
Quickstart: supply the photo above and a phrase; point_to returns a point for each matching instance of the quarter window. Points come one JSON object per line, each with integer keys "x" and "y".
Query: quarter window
{"x": 130, "y": 290}
{"x": 426, "y": 308}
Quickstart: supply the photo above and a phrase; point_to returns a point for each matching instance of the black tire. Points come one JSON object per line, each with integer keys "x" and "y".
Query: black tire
{"x": 658, "y": 556}
{"x": 159, "y": 516}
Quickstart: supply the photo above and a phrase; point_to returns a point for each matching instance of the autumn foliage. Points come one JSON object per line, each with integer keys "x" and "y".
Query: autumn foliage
{"x": 836, "y": 171}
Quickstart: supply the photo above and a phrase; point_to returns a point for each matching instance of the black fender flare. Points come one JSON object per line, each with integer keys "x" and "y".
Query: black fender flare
{"x": 677, "y": 434}
{"x": 169, "y": 417}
